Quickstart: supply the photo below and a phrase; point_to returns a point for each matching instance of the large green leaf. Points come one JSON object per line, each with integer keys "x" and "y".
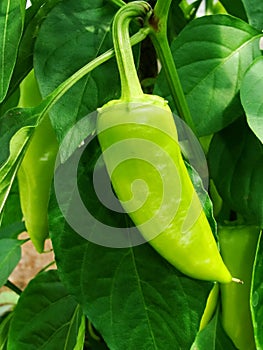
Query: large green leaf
{"x": 213, "y": 337}
{"x": 46, "y": 316}
{"x": 212, "y": 54}
{"x": 122, "y": 291}
{"x": 257, "y": 296}
{"x": 252, "y": 96}
{"x": 130, "y": 291}
{"x": 73, "y": 34}
{"x": 235, "y": 162}
{"x": 10, "y": 254}
{"x": 11, "y": 25}
{"x": 254, "y": 11}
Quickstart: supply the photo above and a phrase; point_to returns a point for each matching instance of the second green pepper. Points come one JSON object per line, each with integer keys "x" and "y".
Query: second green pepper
{"x": 238, "y": 247}
{"x": 36, "y": 170}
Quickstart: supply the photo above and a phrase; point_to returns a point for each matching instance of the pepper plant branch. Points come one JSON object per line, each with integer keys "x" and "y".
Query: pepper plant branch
{"x": 159, "y": 38}
{"x": 53, "y": 97}
{"x": 164, "y": 53}
{"x": 161, "y": 10}
{"x": 130, "y": 84}
{"x": 118, "y": 3}
{"x": 208, "y": 7}
{"x": 53, "y": 262}
{"x": 13, "y": 287}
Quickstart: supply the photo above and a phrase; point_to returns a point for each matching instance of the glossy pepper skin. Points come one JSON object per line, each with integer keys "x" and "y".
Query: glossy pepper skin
{"x": 180, "y": 231}
{"x": 36, "y": 170}
{"x": 238, "y": 248}
{"x": 138, "y": 138}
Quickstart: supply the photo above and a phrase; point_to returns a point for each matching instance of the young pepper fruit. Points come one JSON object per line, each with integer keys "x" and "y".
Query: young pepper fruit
{"x": 138, "y": 134}
{"x": 210, "y": 308}
{"x": 238, "y": 248}
{"x": 36, "y": 170}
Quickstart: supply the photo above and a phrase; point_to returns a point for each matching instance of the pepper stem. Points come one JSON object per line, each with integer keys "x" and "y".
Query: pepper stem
{"x": 237, "y": 280}
{"x": 130, "y": 84}
{"x": 158, "y": 35}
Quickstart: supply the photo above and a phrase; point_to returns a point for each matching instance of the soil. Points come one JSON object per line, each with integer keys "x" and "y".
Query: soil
{"x": 31, "y": 263}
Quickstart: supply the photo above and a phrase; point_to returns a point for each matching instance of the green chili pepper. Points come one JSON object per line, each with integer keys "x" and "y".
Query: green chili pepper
{"x": 36, "y": 170}
{"x": 210, "y": 307}
{"x": 139, "y": 133}
{"x": 238, "y": 248}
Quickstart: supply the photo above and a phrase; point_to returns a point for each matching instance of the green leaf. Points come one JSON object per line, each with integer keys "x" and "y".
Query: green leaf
{"x": 203, "y": 197}
{"x": 46, "y": 316}
{"x": 11, "y": 25}
{"x": 251, "y": 93}
{"x": 4, "y": 329}
{"x": 9, "y": 169}
{"x": 73, "y": 34}
{"x": 10, "y": 125}
{"x": 235, "y": 8}
{"x": 133, "y": 297}
{"x": 213, "y": 337}
{"x": 12, "y": 214}
{"x": 10, "y": 254}
{"x": 12, "y": 230}
{"x": 235, "y": 162}
{"x": 16, "y": 127}
{"x": 34, "y": 16}
{"x": 212, "y": 54}
{"x": 257, "y": 295}
{"x": 180, "y": 14}
{"x": 196, "y": 165}
{"x": 10, "y": 102}
{"x": 254, "y": 11}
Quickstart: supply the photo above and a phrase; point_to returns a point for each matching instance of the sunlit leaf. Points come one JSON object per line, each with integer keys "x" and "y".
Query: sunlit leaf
{"x": 212, "y": 54}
